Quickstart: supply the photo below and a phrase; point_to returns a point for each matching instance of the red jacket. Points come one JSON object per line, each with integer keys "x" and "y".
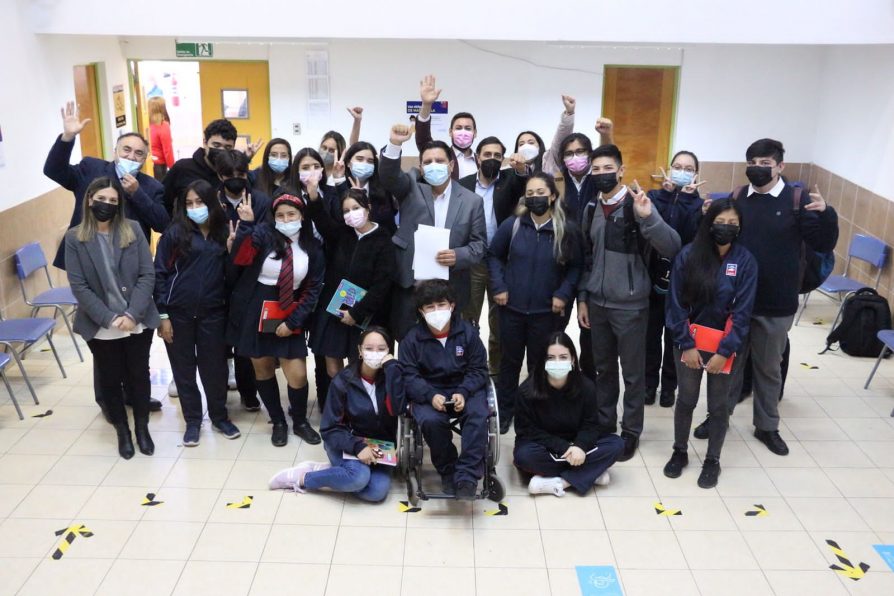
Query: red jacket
{"x": 160, "y": 142}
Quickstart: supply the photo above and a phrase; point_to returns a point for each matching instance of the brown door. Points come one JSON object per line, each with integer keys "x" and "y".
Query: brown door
{"x": 88, "y": 107}
{"x": 640, "y": 102}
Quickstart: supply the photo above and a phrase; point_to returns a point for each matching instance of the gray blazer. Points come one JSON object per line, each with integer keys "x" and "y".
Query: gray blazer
{"x": 465, "y": 219}
{"x": 88, "y": 280}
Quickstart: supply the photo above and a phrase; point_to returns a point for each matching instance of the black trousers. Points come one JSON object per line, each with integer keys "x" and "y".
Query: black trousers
{"x": 121, "y": 361}
{"x": 435, "y": 426}
{"x": 533, "y": 458}
{"x": 659, "y": 349}
{"x": 586, "y": 355}
{"x": 197, "y": 345}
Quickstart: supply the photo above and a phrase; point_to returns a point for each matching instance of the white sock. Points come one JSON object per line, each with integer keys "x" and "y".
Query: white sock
{"x": 603, "y": 480}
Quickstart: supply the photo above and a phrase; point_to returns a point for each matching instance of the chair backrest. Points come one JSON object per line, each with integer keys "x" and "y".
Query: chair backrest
{"x": 716, "y": 196}
{"x": 29, "y": 259}
{"x": 869, "y": 249}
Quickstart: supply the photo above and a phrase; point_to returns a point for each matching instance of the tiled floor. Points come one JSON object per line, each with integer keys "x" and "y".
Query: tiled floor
{"x": 62, "y": 470}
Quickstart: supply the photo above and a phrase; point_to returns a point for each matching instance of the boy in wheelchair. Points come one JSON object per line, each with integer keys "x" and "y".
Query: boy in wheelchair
{"x": 445, "y": 377}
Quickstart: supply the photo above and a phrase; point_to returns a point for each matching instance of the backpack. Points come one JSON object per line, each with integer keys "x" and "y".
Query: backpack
{"x": 863, "y": 314}
{"x": 814, "y": 267}
{"x": 657, "y": 268}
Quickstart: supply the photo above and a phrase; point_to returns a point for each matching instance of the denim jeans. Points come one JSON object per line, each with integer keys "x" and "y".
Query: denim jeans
{"x": 369, "y": 483}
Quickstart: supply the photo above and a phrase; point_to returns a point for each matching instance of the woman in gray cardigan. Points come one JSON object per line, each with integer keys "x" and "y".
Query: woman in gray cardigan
{"x": 111, "y": 274}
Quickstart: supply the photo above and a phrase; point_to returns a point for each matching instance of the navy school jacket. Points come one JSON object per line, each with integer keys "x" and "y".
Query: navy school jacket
{"x": 194, "y": 282}
{"x": 682, "y": 211}
{"x": 349, "y": 415}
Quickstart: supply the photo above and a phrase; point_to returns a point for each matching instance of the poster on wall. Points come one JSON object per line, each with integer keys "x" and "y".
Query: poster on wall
{"x": 2, "y": 153}
{"x": 118, "y": 100}
{"x": 439, "y": 120}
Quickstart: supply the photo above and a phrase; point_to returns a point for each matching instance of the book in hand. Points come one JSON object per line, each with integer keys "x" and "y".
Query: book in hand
{"x": 558, "y": 457}
{"x": 272, "y": 315}
{"x": 707, "y": 341}
{"x": 346, "y": 296}
{"x": 387, "y": 448}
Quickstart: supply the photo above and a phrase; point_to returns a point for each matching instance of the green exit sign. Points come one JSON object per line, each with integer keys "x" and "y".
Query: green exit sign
{"x": 194, "y": 50}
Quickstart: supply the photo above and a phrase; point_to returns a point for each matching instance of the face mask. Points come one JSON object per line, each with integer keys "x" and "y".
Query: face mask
{"x": 462, "y": 138}
{"x": 235, "y": 186}
{"x": 438, "y": 319}
{"x": 577, "y": 164}
{"x": 605, "y": 182}
{"x": 373, "y": 359}
{"x": 213, "y": 153}
{"x": 529, "y": 151}
{"x": 723, "y": 234}
{"x": 328, "y": 158}
{"x": 356, "y": 218}
{"x": 289, "y": 228}
{"x": 126, "y": 166}
{"x": 435, "y": 174}
{"x": 490, "y": 168}
{"x": 103, "y": 211}
{"x": 278, "y": 165}
{"x": 558, "y": 369}
{"x": 681, "y": 178}
{"x": 362, "y": 170}
{"x": 307, "y": 176}
{"x": 537, "y": 205}
{"x": 199, "y": 214}
{"x": 759, "y": 175}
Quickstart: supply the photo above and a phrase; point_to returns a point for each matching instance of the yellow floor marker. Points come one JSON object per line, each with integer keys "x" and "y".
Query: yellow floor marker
{"x": 71, "y": 532}
{"x": 405, "y": 507}
{"x": 809, "y": 366}
{"x": 245, "y": 503}
{"x": 846, "y": 568}
{"x": 759, "y": 511}
{"x": 502, "y": 509}
{"x": 662, "y": 510}
{"x": 44, "y": 415}
{"x": 149, "y": 500}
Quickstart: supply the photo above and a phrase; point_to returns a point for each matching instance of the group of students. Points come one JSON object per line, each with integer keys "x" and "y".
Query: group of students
{"x": 303, "y": 229}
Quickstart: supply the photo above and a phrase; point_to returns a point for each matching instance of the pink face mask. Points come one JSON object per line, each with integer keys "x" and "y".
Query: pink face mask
{"x": 577, "y": 164}
{"x": 356, "y": 218}
{"x": 310, "y": 175}
{"x": 462, "y": 138}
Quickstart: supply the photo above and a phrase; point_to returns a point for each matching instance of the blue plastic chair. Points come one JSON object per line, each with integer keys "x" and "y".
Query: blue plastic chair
{"x": 29, "y": 259}
{"x": 25, "y": 333}
{"x": 4, "y": 360}
{"x": 886, "y": 336}
{"x": 864, "y": 248}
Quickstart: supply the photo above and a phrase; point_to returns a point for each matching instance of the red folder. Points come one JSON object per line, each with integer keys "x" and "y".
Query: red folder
{"x": 707, "y": 339}
{"x": 272, "y": 315}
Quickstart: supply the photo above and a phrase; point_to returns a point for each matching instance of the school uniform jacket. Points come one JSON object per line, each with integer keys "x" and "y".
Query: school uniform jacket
{"x": 559, "y": 421}
{"x": 190, "y": 283}
{"x": 183, "y": 173}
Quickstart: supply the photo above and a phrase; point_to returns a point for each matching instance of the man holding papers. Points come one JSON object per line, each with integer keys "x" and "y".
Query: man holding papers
{"x": 429, "y": 198}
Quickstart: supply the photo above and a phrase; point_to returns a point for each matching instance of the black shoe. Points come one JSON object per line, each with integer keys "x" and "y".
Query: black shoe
{"x": 701, "y": 431}
{"x": 631, "y": 441}
{"x": 650, "y": 396}
{"x": 448, "y": 486}
{"x": 144, "y": 440}
{"x": 304, "y": 430}
{"x": 710, "y": 473}
{"x": 465, "y": 490}
{"x": 772, "y": 440}
{"x": 154, "y": 404}
{"x": 674, "y": 467}
{"x": 125, "y": 441}
{"x": 105, "y": 411}
{"x": 667, "y": 399}
{"x": 505, "y": 425}
{"x": 280, "y": 434}
{"x": 250, "y": 404}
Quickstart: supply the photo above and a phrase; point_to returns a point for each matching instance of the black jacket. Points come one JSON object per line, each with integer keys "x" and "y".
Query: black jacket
{"x": 382, "y": 204}
{"x": 682, "y": 211}
{"x": 192, "y": 283}
{"x": 508, "y": 189}
{"x": 184, "y": 172}
{"x": 559, "y": 421}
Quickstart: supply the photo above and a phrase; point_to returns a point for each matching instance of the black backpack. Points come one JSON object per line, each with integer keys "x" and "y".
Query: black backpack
{"x": 863, "y": 315}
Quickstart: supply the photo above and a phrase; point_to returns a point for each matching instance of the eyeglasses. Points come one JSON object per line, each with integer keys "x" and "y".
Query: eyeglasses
{"x": 687, "y": 169}
{"x": 576, "y": 153}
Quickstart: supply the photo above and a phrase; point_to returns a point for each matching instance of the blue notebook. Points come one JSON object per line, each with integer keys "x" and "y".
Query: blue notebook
{"x": 346, "y": 296}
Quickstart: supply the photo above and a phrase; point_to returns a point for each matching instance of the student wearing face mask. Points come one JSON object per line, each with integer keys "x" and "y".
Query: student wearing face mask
{"x": 332, "y": 147}
{"x": 309, "y": 169}
{"x": 362, "y": 171}
{"x": 431, "y": 199}
{"x": 273, "y": 173}
{"x": 283, "y": 272}
{"x": 558, "y": 439}
{"x": 678, "y": 203}
{"x": 713, "y": 283}
{"x": 445, "y": 377}
{"x": 359, "y": 251}
{"x": 530, "y": 147}
{"x": 557, "y": 161}
{"x": 365, "y": 400}
{"x": 463, "y": 130}
{"x": 619, "y": 230}
{"x": 535, "y": 263}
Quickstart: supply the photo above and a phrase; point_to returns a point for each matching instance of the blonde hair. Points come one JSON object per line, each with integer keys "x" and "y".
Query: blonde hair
{"x": 158, "y": 111}
{"x": 558, "y": 215}
{"x": 119, "y": 225}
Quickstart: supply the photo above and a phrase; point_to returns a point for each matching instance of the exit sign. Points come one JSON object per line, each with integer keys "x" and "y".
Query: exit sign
{"x": 194, "y": 50}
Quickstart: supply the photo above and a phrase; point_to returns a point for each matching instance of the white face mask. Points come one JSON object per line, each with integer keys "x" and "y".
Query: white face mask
{"x": 529, "y": 151}
{"x": 373, "y": 359}
{"x": 438, "y": 319}
{"x": 558, "y": 369}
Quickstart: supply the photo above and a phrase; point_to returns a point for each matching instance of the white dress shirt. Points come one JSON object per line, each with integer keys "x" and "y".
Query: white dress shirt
{"x": 774, "y": 192}
{"x": 487, "y": 196}
{"x": 442, "y": 203}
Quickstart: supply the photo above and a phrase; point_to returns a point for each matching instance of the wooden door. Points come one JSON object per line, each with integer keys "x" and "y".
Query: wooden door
{"x": 641, "y": 103}
{"x": 88, "y": 107}
{"x": 239, "y": 91}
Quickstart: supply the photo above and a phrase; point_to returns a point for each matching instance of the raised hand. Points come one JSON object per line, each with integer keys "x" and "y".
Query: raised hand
{"x": 72, "y": 125}
{"x": 244, "y": 210}
{"x": 428, "y": 91}
{"x": 130, "y": 184}
{"x": 642, "y": 205}
{"x": 400, "y": 134}
{"x": 338, "y": 166}
{"x": 667, "y": 184}
{"x": 570, "y": 103}
{"x": 693, "y": 186}
{"x": 604, "y": 126}
{"x": 356, "y": 112}
{"x": 231, "y": 238}
{"x": 817, "y": 202}
{"x": 252, "y": 149}
{"x": 517, "y": 162}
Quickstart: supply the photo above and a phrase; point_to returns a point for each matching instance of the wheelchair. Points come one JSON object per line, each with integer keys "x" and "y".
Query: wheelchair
{"x": 411, "y": 448}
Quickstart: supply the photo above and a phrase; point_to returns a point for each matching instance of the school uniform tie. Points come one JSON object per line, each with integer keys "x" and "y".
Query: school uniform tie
{"x": 286, "y": 280}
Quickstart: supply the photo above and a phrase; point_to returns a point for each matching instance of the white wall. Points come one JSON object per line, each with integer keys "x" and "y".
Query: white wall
{"x": 855, "y": 120}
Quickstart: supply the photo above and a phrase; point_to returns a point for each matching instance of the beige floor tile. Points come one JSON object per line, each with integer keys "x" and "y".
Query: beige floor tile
{"x": 629, "y": 481}
{"x": 652, "y": 582}
{"x": 215, "y": 577}
{"x": 45, "y": 442}
{"x": 216, "y": 446}
{"x": 30, "y": 537}
{"x": 735, "y": 454}
{"x": 199, "y": 473}
{"x": 646, "y": 550}
{"x": 115, "y": 502}
{"x": 300, "y": 544}
{"x": 569, "y": 548}
{"x": 784, "y": 550}
{"x": 877, "y": 513}
{"x": 47, "y": 501}
{"x": 522, "y": 513}
{"x": 796, "y": 458}
{"x": 439, "y": 547}
{"x": 518, "y": 582}
{"x": 263, "y": 507}
{"x": 746, "y": 482}
{"x": 101, "y": 442}
{"x": 571, "y": 512}
{"x": 9, "y": 437}
{"x": 564, "y": 581}
{"x": 862, "y": 483}
{"x": 323, "y": 509}
{"x": 25, "y": 469}
{"x": 438, "y": 581}
{"x": 880, "y": 453}
{"x": 83, "y": 470}
{"x": 252, "y": 475}
{"x": 779, "y": 515}
{"x": 14, "y": 571}
{"x": 369, "y": 546}
{"x": 355, "y": 580}
{"x": 815, "y": 429}
{"x": 792, "y": 583}
{"x": 66, "y": 576}
{"x": 155, "y": 577}
{"x": 700, "y": 513}
{"x": 633, "y": 513}
{"x": 684, "y": 486}
{"x": 162, "y": 540}
{"x": 867, "y": 429}
{"x": 802, "y": 482}
{"x": 440, "y": 513}
{"x": 10, "y": 497}
{"x": 732, "y": 582}
{"x": 231, "y": 542}
{"x": 386, "y": 514}
{"x": 716, "y": 550}
{"x": 107, "y": 542}
{"x": 508, "y": 548}
{"x": 68, "y": 418}
{"x": 837, "y": 454}
{"x": 258, "y": 447}
{"x": 278, "y": 578}
{"x": 831, "y": 514}
{"x": 147, "y": 472}
{"x": 181, "y": 504}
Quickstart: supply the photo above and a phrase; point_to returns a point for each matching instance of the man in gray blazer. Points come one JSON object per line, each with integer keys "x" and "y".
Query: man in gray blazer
{"x": 430, "y": 198}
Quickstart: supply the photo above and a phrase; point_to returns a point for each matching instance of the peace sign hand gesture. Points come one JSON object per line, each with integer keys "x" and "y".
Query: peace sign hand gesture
{"x": 642, "y": 205}
{"x": 252, "y": 149}
{"x": 244, "y": 210}
{"x": 667, "y": 184}
{"x": 72, "y": 125}
{"x": 231, "y": 238}
{"x": 817, "y": 202}
{"x": 338, "y": 166}
{"x": 693, "y": 186}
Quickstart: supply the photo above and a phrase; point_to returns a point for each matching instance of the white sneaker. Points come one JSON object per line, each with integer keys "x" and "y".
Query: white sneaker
{"x": 172, "y": 389}
{"x": 231, "y": 376}
{"x": 292, "y": 478}
{"x": 545, "y": 486}
{"x": 603, "y": 480}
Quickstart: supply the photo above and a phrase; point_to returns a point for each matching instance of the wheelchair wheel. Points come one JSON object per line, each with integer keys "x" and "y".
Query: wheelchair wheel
{"x": 495, "y": 492}
{"x": 403, "y": 447}
{"x": 493, "y": 427}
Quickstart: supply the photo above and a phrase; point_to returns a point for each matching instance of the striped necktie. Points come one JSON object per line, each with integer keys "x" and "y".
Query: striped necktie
{"x": 286, "y": 280}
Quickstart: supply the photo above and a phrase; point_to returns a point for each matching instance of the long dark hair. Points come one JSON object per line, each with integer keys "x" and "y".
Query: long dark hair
{"x": 563, "y": 242}
{"x": 540, "y": 383}
{"x": 538, "y": 161}
{"x": 295, "y": 178}
{"x": 306, "y": 238}
{"x": 575, "y": 136}
{"x": 182, "y": 228}
{"x": 355, "y": 361}
{"x": 700, "y": 268}
{"x": 267, "y": 177}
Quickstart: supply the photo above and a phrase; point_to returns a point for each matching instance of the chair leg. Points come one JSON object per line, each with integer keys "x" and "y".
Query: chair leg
{"x": 803, "y": 308}
{"x": 875, "y": 368}
{"x": 840, "y": 311}
{"x": 12, "y": 395}
{"x": 56, "y": 355}
{"x": 15, "y": 356}
{"x": 74, "y": 339}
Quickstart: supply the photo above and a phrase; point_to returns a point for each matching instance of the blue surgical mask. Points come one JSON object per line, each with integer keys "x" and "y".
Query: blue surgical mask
{"x": 289, "y": 228}
{"x": 681, "y": 177}
{"x": 123, "y": 167}
{"x": 435, "y": 174}
{"x": 278, "y": 165}
{"x": 199, "y": 214}
{"x": 362, "y": 170}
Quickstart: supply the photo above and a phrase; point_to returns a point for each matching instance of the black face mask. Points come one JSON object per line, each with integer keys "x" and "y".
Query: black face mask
{"x": 537, "y": 205}
{"x": 604, "y": 182}
{"x": 213, "y": 153}
{"x": 103, "y": 211}
{"x": 723, "y": 234}
{"x": 490, "y": 168}
{"x": 759, "y": 175}
{"x": 235, "y": 186}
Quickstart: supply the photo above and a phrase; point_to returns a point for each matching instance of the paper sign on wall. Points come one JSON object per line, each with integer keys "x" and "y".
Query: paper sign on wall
{"x": 439, "y": 119}
{"x": 118, "y": 100}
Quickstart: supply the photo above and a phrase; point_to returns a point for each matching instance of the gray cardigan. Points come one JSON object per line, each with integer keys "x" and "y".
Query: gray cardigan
{"x": 88, "y": 280}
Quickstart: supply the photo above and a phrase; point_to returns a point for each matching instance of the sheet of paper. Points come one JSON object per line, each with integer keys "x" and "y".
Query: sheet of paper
{"x": 428, "y": 241}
